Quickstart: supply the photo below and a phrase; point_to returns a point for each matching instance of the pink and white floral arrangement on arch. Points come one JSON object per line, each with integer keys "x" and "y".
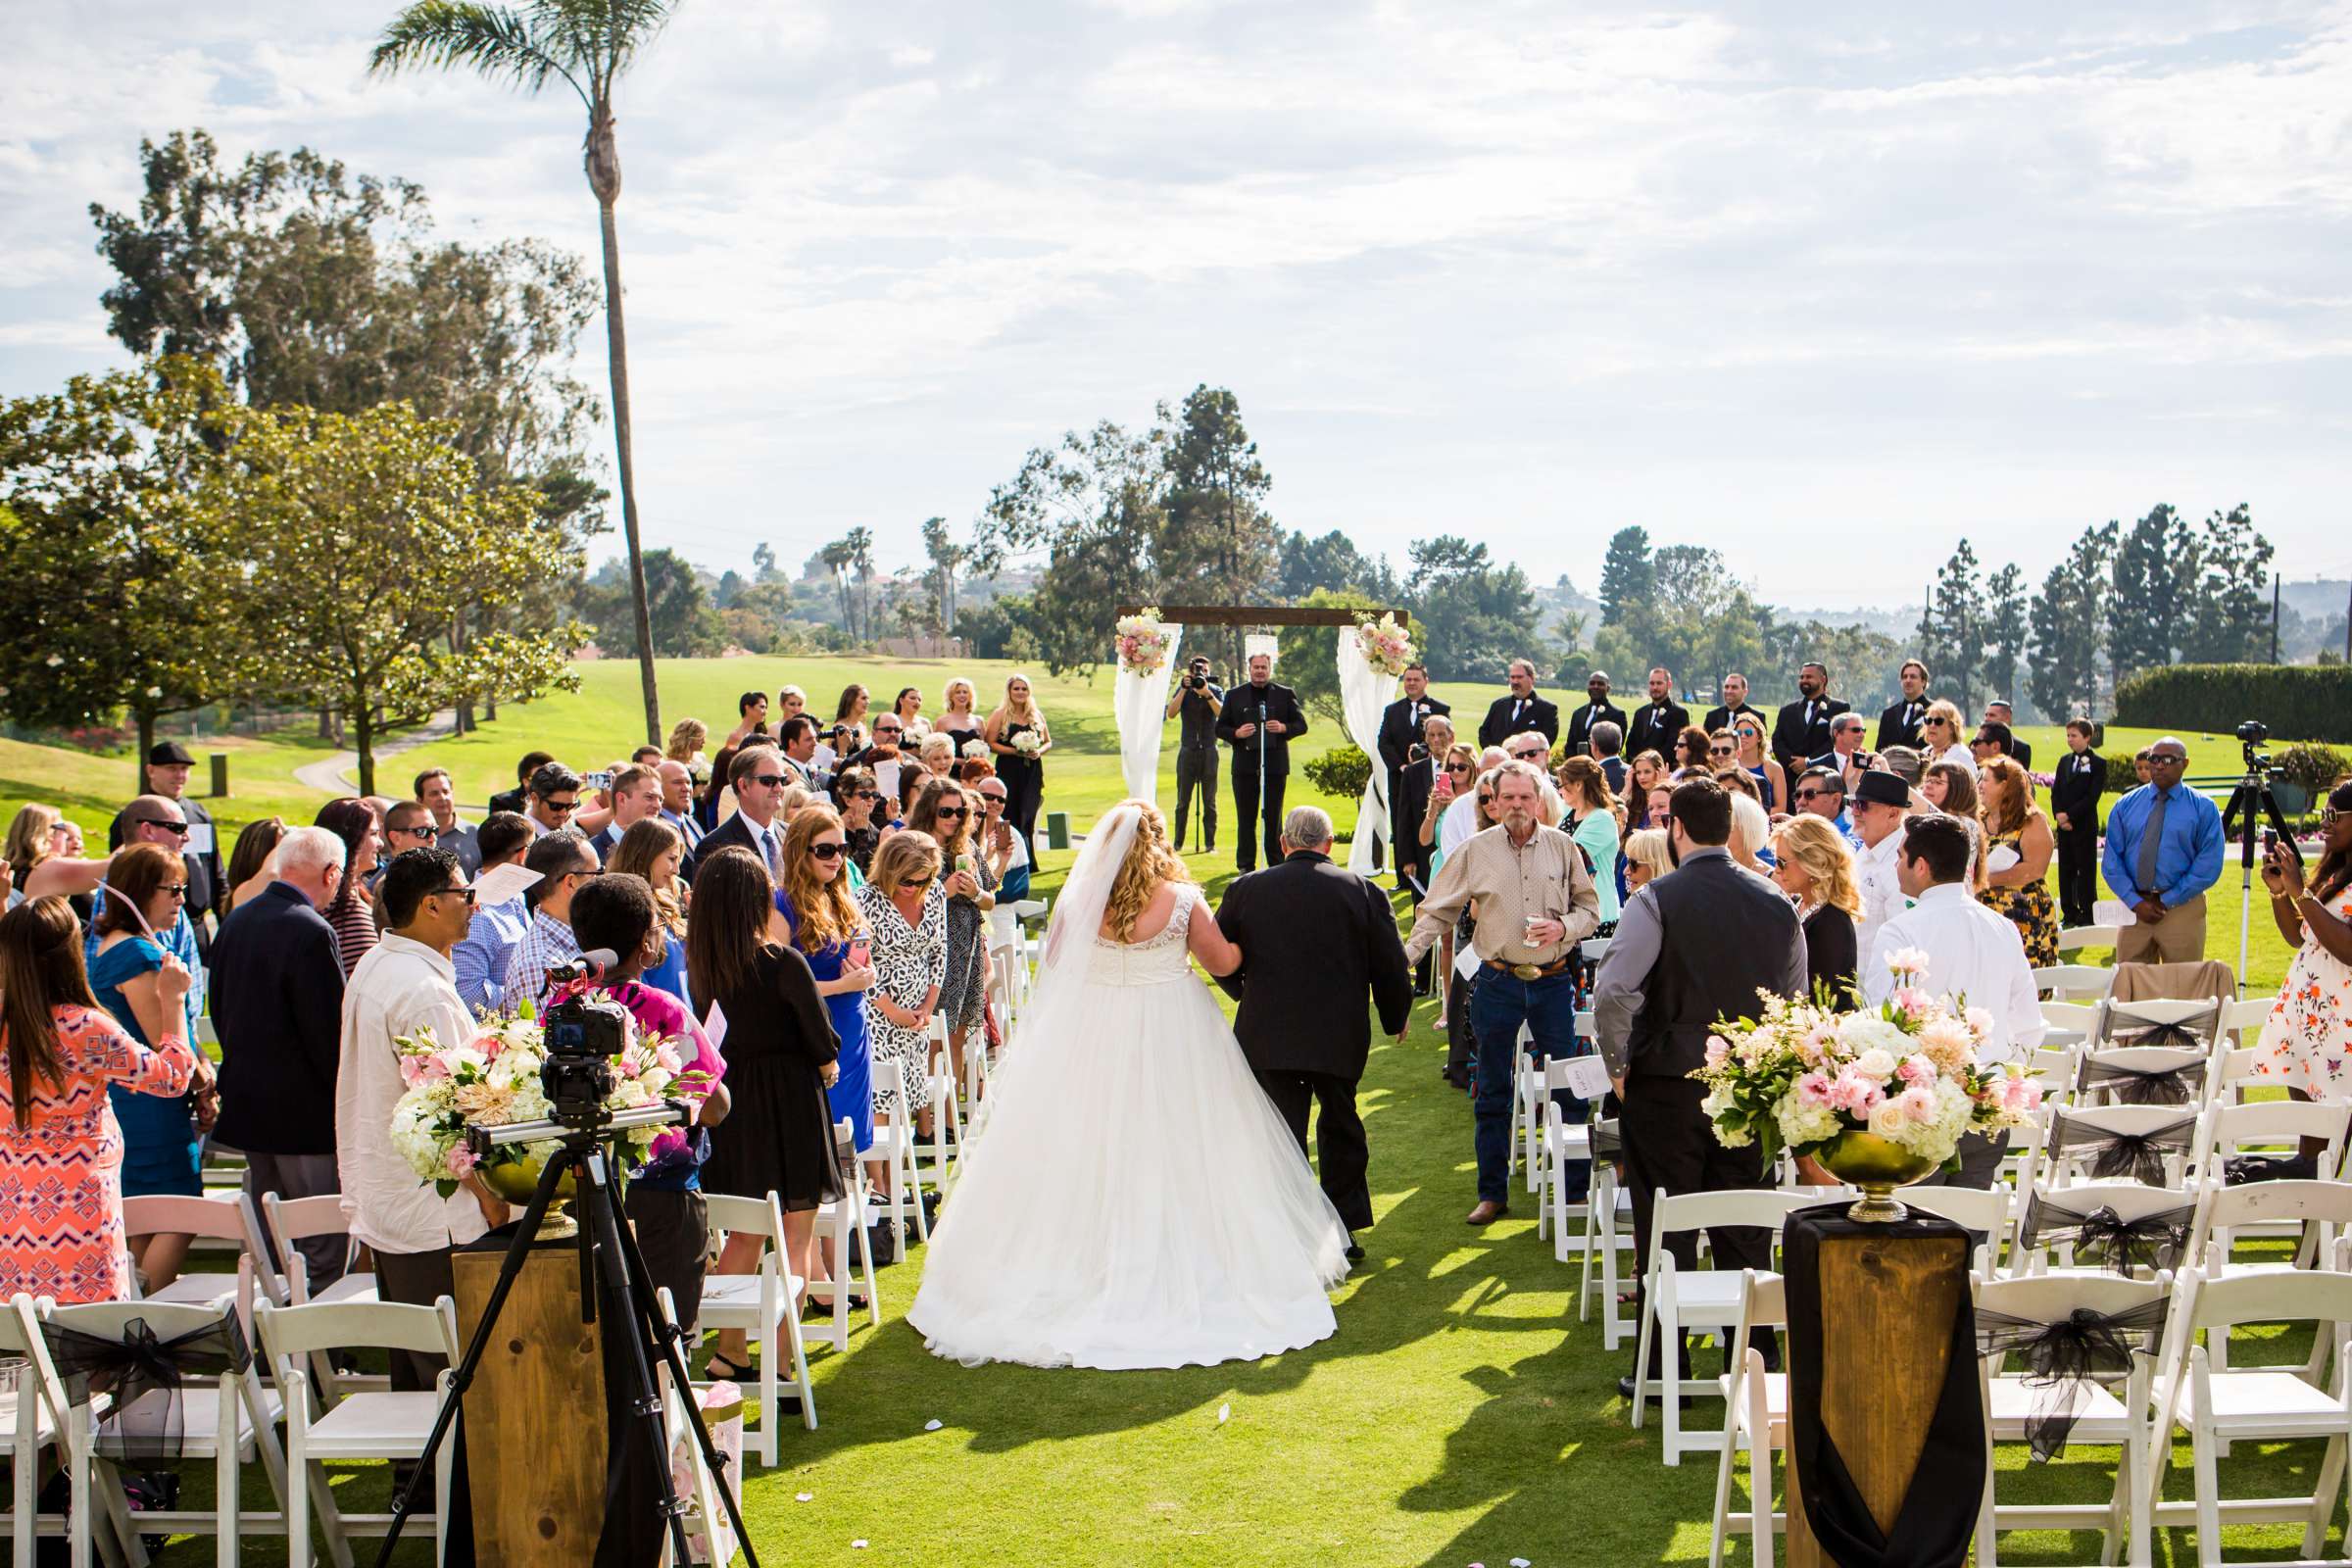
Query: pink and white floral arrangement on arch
{"x": 1387, "y": 647}
{"x": 1143, "y": 642}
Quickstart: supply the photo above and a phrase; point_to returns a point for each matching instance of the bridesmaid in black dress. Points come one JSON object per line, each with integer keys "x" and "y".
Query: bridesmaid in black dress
{"x": 780, "y": 1048}
{"x": 1023, "y": 771}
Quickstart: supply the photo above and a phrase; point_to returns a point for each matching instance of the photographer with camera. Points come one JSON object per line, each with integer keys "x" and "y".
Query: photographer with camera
{"x": 2164, "y": 849}
{"x": 1195, "y": 706}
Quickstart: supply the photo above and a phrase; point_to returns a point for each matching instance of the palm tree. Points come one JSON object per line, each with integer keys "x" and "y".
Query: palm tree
{"x": 587, "y": 44}
{"x": 861, "y": 543}
{"x": 837, "y": 556}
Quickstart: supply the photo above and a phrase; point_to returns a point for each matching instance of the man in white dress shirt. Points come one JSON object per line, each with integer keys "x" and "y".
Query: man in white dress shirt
{"x": 405, "y": 985}
{"x": 1880, "y": 804}
{"x": 1976, "y": 958}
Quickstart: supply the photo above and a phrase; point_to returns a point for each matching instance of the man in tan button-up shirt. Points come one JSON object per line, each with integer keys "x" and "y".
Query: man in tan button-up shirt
{"x": 1536, "y": 902}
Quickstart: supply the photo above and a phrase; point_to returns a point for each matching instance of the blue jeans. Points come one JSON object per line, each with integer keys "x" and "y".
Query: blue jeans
{"x": 1499, "y": 1003}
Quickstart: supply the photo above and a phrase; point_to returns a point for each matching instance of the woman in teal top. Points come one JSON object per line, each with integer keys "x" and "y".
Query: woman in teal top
{"x": 1586, "y": 789}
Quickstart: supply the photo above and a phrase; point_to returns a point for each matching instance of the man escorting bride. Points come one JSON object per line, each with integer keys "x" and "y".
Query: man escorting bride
{"x": 1138, "y": 1202}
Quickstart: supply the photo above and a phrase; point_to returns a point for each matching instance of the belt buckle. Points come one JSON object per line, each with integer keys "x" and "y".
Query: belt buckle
{"x": 1527, "y": 971}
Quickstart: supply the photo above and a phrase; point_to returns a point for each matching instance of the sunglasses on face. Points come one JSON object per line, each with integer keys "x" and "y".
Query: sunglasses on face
{"x": 562, "y": 806}
{"x": 466, "y": 894}
{"x": 425, "y": 834}
{"x": 881, "y": 731}
{"x": 1719, "y": 750}
{"x": 177, "y": 890}
{"x": 773, "y": 781}
{"x": 1457, "y": 767}
{"x": 1815, "y": 795}
{"x": 1486, "y": 800}
{"x": 950, "y": 813}
{"x": 862, "y": 794}
{"x": 180, "y": 828}
{"x": 827, "y": 851}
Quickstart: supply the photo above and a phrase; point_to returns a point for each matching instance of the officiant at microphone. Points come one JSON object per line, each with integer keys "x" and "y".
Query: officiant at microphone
{"x": 1316, "y": 940}
{"x": 1258, "y": 721}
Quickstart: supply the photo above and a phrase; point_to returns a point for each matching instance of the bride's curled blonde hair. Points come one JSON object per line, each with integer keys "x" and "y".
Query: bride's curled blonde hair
{"x": 1151, "y": 861}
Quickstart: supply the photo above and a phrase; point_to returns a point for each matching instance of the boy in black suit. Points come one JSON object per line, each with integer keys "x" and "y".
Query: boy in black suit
{"x": 2076, "y": 786}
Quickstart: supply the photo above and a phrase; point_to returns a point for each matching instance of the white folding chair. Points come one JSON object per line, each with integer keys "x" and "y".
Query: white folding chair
{"x": 945, "y": 1141}
{"x": 1526, "y": 1099}
{"x": 2182, "y": 1022}
{"x": 2058, "y": 1155}
{"x": 895, "y": 1147}
{"x": 1983, "y": 1210}
{"x": 225, "y": 1217}
{"x": 1609, "y": 1233}
{"x": 844, "y": 1222}
{"x": 1560, "y": 1141}
{"x": 2075, "y": 938}
{"x": 2276, "y": 1127}
{"x": 2101, "y": 1417}
{"x": 764, "y": 1304}
{"x": 1755, "y": 1421}
{"x": 1674, "y": 1301}
{"x": 231, "y": 1421}
{"x": 2242, "y": 1020}
{"x": 36, "y": 1412}
{"x": 2115, "y": 1075}
{"x": 2069, "y": 1023}
{"x": 2317, "y": 1214}
{"x": 369, "y": 1425}
{"x": 299, "y": 1219}
{"x": 2218, "y": 1406}
{"x": 2039, "y": 1210}
{"x": 2075, "y": 982}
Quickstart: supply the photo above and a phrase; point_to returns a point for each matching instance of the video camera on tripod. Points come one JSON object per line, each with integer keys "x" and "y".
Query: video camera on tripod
{"x": 2252, "y": 799}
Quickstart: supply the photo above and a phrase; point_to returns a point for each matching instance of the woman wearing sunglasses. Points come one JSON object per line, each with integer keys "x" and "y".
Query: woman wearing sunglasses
{"x": 945, "y": 812}
{"x": 1941, "y": 740}
{"x": 816, "y": 905}
{"x": 859, "y": 799}
{"x": 1748, "y": 752}
{"x": 907, "y": 914}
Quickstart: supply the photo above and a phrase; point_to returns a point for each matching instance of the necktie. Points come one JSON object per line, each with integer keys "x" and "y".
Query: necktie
{"x": 2152, "y": 835}
{"x": 767, "y": 847}
{"x": 1516, "y": 705}
{"x": 1808, "y": 715}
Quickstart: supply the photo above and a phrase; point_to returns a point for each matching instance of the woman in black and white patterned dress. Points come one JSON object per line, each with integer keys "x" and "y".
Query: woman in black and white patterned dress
{"x": 907, "y": 914}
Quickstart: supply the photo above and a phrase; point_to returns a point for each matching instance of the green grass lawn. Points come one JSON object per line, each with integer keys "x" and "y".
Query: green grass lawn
{"x": 1461, "y": 1414}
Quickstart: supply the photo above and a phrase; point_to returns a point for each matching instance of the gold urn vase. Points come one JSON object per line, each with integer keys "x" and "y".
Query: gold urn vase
{"x": 1878, "y": 1165}
{"x": 516, "y": 1181}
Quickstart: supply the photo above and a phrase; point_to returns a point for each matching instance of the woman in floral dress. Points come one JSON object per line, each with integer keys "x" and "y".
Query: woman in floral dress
{"x": 61, "y": 1150}
{"x": 2017, "y": 884}
{"x": 907, "y": 915}
{"x": 2307, "y": 1044}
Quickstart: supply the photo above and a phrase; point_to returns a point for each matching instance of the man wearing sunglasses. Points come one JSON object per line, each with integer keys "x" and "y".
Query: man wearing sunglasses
{"x": 166, "y": 769}
{"x": 565, "y": 862}
{"x": 149, "y": 819}
{"x": 758, "y": 778}
{"x": 555, "y": 798}
{"x": 1822, "y": 792}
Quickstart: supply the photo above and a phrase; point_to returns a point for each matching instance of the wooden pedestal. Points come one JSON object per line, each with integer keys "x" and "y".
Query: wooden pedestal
{"x": 1886, "y": 1301}
{"x": 535, "y": 1416}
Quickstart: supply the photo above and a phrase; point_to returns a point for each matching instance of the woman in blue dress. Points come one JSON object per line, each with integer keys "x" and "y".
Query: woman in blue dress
{"x": 813, "y": 898}
{"x": 162, "y": 1134}
{"x": 655, "y": 851}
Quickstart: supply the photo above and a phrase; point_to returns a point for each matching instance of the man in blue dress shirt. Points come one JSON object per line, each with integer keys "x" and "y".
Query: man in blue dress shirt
{"x": 2164, "y": 849}
{"x": 482, "y": 957}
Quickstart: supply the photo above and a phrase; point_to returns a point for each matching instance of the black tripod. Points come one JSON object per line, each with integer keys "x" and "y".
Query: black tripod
{"x": 2252, "y": 799}
{"x": 607, "y": 1246}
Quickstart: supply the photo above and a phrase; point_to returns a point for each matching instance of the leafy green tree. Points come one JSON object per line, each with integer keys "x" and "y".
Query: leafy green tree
{"x": 686, "y": 624}
{"x": 837, "y": 557}
{"x": 1952, "y": 628}
{"x": 1331, "y": 561}
{"x": 2006, "y": 629}
{"x": 114, "y": 568}
{"x": 859, "y": 543}
{"x": 1307, "y": 658}
{"x": 360, "y": 539}
{"x": 1628, "y": 579}
{"x": 946, "y": 556}
{"x": 2229, "y": 613}
{"x": 2155, "y": 565}
{"x": 1475, "y": 617}
{"x": 2069, "y": 626}
{"x": 1219, "y": 537}
{"x": 587, "y": 45}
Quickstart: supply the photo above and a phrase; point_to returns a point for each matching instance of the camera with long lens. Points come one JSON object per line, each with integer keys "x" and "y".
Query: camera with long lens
{"x": 583, "y": 1034}
{"x": 1195, "y": 676}
{"x": 2250, "y": 736}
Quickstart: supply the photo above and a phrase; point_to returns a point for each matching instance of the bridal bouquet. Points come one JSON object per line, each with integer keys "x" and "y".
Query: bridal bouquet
{"x": 975, "y": 750}
{"x": 493, "y": 1079}
{"x": 1387, "y": 647}
{"x": 1026, "y": 742}
{"x": 697, "y": 768}
{"x": 1804, "y": 1074}
{"x": 1142, "y": 643}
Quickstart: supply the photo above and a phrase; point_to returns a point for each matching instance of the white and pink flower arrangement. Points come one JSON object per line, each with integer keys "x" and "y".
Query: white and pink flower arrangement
{"x": 1805, "y": 1074}
{"x": 1387, "y": 646}
{"x": 1143, "y": 642}
{"x": 493, "y": 1079}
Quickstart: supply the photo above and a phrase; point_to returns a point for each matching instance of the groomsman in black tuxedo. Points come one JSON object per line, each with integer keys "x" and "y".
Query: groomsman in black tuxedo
{"x": 1320, "y": 955}
{"x": 1803, "y": 730}
{"x": 2076, "y": 786}
{"x": 1260, "y": 715}
{"x": 1899, "y": 724}
{"x": 1735, "y": 703}
{"x": 1598, "y": 709}
{"x": 1656, "y": 726}
{"x": 1522, "y": 710}
{"x": 1400, "y": 731}
{"x": 2000, "y": 712}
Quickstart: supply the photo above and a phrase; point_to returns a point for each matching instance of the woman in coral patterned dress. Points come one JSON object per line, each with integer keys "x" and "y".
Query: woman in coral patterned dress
{"x": 60, "y": 1148}
{"x": 2308, "y": 1041}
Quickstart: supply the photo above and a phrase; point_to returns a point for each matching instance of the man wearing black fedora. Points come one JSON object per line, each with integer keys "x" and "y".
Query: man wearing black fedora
{"x": 168, "y": 765}
{"x": 1880, "y": 801}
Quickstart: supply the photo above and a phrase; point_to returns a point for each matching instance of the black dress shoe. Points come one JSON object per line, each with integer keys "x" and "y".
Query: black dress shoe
{"x": 1355, "y": 1252}
{"x": 1624, "y": 1391}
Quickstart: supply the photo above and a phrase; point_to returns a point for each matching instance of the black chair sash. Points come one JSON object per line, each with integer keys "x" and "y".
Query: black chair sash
{"x": 2063, "y": 1359}
{"x": 139, "y": 1364}
{"x": 2121, "y": 1156}
{"x": 2196, "y": 1032}
{"x": 2155, "y": 1240}
{"x": 1608, "y": 1144}
{"x": 2138, "y": 1086}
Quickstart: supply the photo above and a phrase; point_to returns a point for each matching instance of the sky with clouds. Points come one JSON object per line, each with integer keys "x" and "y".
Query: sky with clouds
{"x": 1824, "y": 285}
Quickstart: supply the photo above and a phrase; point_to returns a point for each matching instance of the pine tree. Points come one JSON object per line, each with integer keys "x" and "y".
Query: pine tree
{"x": 2156, "y": 567}
{"x": 2229, "y": 623}
{"x": 1628, "y": 577}
{"x": 1951, "y": 629}
{"x": 2005, "y": 625}
{"x": 2068, "y": 624}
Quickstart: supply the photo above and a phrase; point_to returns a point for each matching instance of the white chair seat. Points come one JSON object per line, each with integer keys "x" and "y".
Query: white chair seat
{"x": 2099, "y": 1415}
{"x": 1705, "y": 1298}
{"x": 198, "y": 1418}
{"x": 1776, "y": 1400}
{"x": 197, "y": 1289}
{"x": 2272, "y": 1402}
{"x": 737, "y": 1296}
{"x": 372, "y": 1426}
{"x": 44, "y": 1430}
{"x": 350, "y": 1288}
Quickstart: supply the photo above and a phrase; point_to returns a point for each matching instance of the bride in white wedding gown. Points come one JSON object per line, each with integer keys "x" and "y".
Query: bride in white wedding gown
{"x": 1136, "y": 1200}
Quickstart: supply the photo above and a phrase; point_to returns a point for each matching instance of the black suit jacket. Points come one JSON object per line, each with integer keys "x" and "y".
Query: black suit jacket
{"x": 1721, "y": 718}
{"x": 1400, "y": 733}
{"x": 1581, "y": 723}
{"x": 736, "y": 833}
{"x": 1535, "y": 714}
{"x": 2022, "y": 751}
{"x": 1899, "y": 723}
{"x": 1793, "y": 737}
{"x": 1409, "y": 807}
{"x": 1322, "y": 940}
{"x": 1651, "y": 733}
{"x": 278, "y": 1002}
{"x": 2077, "y": 783}
{"x": 1247, "y": 705}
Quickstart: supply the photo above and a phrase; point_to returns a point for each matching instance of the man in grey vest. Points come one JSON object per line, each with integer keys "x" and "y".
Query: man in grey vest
{"x": 1691, "y": 947}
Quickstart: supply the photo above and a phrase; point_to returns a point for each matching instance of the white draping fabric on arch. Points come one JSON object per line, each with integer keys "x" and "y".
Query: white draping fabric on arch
{"x": 1364, "y": 692}
{"x": 1140, "y": 704}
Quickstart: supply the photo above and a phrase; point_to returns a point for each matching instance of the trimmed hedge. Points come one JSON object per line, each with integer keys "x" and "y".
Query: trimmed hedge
{"x": 2298, "y": 701}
